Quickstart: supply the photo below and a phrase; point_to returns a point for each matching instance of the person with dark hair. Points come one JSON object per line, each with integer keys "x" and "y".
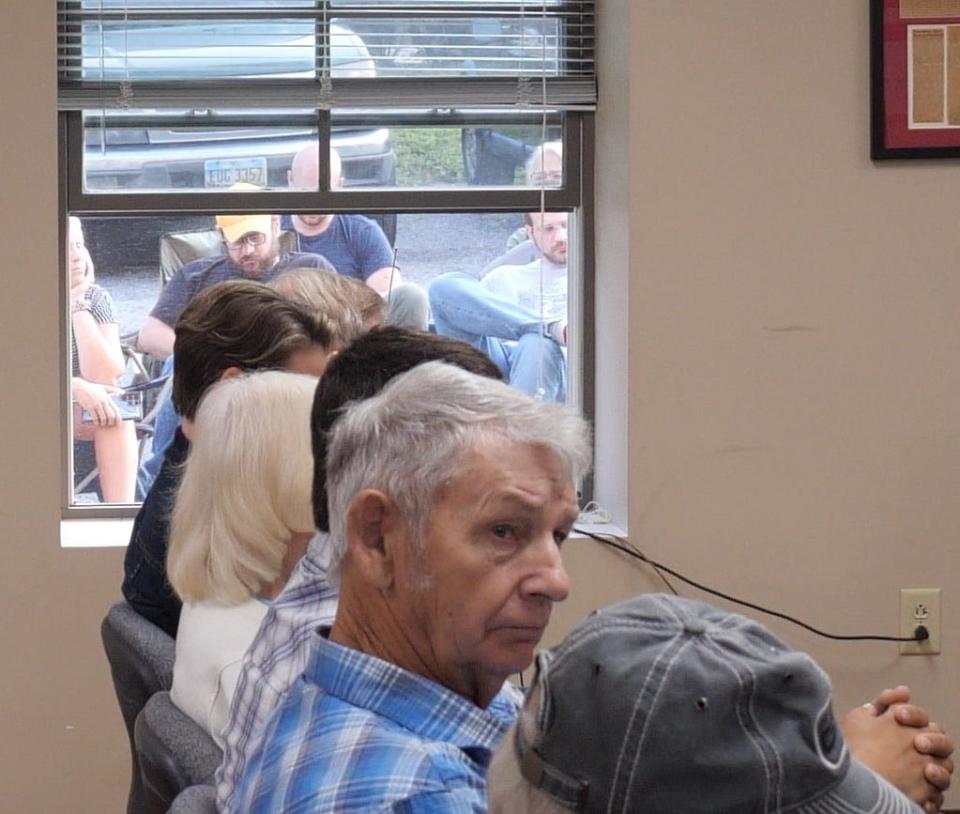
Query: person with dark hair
{"x": 232, "y": 327}
{"x": 516, "y": 314}
{"x": 279, "y": 651}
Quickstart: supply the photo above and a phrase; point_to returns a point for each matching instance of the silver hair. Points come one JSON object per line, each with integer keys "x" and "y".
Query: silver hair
{"x": 408, "y": 440}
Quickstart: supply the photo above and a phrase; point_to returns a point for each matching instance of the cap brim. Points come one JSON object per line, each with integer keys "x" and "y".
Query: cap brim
{"x": 861, "y": 791}
{"x": 254, "y": 223}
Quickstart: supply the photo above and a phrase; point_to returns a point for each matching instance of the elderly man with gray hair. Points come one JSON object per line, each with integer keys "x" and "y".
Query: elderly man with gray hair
{"x": 448, "y": 514}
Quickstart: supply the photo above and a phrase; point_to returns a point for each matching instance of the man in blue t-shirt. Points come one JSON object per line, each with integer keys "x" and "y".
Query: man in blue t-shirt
{"x": 355, "y": 245}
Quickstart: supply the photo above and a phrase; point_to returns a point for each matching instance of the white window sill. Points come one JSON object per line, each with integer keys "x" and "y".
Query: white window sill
{"x": 90, "y": 532}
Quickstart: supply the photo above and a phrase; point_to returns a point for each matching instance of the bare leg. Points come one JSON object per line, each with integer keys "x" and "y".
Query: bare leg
{"x": 116, "y": 451}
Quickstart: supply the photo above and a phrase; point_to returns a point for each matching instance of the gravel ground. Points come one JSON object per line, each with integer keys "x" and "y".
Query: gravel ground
{"x": 427, "y": 245}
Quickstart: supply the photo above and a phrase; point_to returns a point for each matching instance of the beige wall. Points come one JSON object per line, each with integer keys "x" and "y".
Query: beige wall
{"x": 794, "y": 338}
{"x": 62, "y": 743}
{"x": 792, "y": 341}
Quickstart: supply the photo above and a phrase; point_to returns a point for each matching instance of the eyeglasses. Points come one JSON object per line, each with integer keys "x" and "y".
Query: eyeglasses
{"x": 252, "y": 238}
{"x": 552, "y": 178}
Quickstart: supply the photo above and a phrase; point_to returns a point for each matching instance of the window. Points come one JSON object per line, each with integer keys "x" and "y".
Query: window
{"x": 449, "y": 120}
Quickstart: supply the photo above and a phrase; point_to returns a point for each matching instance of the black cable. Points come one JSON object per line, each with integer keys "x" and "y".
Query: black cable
{"x": 632, "y": 552}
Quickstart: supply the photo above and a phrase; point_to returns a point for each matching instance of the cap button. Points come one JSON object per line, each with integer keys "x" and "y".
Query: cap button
{"x": 695, "y": 626}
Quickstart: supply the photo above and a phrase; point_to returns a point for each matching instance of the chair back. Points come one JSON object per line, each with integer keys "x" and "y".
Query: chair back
{"x": 195, "y": 800}
{"x": 141, "y": 664}
{"x": 173, "y": 751}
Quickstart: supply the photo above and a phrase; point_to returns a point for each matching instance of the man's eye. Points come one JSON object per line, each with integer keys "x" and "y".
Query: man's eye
{"x": 560, "y": 537}
{"x": 503, "y": 531}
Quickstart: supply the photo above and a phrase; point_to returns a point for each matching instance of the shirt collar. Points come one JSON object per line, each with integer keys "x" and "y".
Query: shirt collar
{"x": 320, "y": 550}
{"x": 422, "y": 706}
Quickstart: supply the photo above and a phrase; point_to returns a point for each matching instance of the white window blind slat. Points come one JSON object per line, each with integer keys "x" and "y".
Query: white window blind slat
{"x": 327, "y": 53}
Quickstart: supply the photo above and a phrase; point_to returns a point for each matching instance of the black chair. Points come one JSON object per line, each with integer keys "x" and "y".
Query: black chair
{"x": 141, "y": 664}
{"x": 174, "y": 753}
{"x": 195, "y": 800}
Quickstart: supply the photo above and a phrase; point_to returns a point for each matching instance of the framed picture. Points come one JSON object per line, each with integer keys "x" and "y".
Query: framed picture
{"x": 915, "y": 78}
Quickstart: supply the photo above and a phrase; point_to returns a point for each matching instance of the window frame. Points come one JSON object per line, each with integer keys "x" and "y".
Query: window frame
{"x": 575, "y": 196}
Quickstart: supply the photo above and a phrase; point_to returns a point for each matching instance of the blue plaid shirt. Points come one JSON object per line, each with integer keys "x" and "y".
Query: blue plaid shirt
{"x": 356, "y": 733}
{"x": 276, "y": 658}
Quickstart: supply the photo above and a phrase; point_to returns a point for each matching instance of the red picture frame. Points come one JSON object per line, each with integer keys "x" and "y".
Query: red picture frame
{"x": 915, "y": 78}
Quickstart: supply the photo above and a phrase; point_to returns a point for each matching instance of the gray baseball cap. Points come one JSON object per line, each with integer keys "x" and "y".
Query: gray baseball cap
{"x": 662, "y": 704}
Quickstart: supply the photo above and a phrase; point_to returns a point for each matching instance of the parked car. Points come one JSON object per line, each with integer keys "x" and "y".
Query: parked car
{"x": 188, "y": 150}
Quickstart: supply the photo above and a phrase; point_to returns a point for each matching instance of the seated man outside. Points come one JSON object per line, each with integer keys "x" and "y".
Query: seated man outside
{"x": 96, "y": 364}
{"x": 544, "y": 168}
{"x": 662, "y": 704}
{"x": 280, "y": 650}
{"x": 251, "y": 252}
{"x": 235, "y": 326}
{"x": 447, "y": 514}
{"x": 354, "y": 244}
{"x": 240, "y": 524}
{"x": 492, "y": 533}
{"x": 517, "y": 315}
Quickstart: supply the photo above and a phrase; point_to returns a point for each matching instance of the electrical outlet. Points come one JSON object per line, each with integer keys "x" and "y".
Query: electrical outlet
{"x": 920, "y": 606}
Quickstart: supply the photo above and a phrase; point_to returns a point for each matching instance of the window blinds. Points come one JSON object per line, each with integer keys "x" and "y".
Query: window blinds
{"x": 287, "y": 54}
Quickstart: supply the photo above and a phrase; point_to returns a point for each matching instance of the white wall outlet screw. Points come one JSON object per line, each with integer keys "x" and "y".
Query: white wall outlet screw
{"x": 920, "y": 606}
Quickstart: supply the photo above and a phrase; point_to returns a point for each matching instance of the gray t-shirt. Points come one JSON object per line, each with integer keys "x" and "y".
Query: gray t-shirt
{"x": 204, "y": 272}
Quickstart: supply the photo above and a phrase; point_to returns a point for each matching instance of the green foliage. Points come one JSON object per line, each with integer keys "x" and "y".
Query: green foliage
{"x": 428, "y": 155}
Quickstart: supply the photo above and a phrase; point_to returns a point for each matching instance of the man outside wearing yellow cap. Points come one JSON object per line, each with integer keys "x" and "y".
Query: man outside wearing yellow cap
{"x": 252, "y": 253}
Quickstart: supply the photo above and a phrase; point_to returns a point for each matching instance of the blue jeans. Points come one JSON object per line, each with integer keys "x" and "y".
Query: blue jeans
{"x": 509, "y": 334}
{"x": 164, "y": 427}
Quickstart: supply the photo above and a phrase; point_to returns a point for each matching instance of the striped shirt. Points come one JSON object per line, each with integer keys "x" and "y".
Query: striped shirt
{"x": 275, "y": 659}
{"x": 104, "y": 312}
{"x": 356, "y": 733}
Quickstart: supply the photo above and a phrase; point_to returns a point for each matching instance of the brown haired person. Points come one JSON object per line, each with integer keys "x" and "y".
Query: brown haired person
{"x": 232, "y": 327}
{"x": 347, "y": 307}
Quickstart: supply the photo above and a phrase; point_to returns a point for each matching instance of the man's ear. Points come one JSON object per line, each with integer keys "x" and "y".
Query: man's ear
{"x": 371, "y": 519}
{"x": 230, "y": 372}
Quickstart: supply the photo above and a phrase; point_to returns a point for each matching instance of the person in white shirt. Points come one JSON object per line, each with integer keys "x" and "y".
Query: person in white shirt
{"x": 241, "y": 522}
{"x": 516, "y": 314}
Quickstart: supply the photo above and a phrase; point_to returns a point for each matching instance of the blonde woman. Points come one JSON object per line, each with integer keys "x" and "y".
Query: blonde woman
{"x": 241, "y": 522}
{"x": 97, "y": 362}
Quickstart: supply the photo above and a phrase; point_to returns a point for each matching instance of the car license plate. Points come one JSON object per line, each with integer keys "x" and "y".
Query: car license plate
{"x": 225, "y": 172}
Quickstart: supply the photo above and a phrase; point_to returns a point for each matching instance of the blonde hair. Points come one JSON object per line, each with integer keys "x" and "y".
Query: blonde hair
{"x": 345, "y": 306}
{"x": 508, "y": 792}
{"x": 245, "y": 488}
